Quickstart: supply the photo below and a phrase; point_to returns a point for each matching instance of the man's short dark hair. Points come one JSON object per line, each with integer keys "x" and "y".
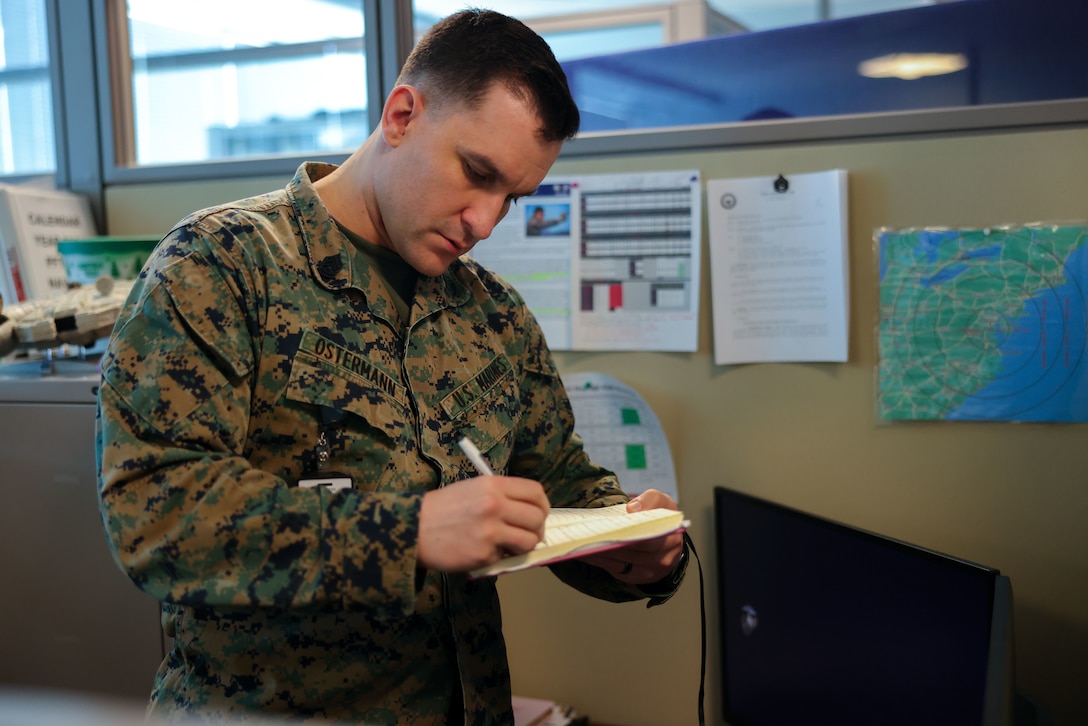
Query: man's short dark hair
{"x": 461, "y": 56}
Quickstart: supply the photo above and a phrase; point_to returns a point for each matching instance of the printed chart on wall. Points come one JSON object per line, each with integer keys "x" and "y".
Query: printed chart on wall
{"x": 636, "y": 263}
{"x": 531, "y": 249}
{"x": 621, "y": 432}
{"x": 606, "y": 261}
{"x": 983, "y": 324}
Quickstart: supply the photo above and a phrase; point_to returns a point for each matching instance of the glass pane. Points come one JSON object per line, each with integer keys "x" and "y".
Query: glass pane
{"x": 245, "y": 78}
{"x": 622, "y": 25}
{"x": 27, "y": 145}
{"x": 731, "y": 61}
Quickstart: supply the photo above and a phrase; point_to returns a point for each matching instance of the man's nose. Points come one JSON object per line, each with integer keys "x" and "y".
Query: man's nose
{"x": 481, "y": 216}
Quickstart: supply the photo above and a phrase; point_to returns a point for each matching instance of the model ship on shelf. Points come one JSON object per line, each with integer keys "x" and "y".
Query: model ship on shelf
{"x": 81, "y": 316}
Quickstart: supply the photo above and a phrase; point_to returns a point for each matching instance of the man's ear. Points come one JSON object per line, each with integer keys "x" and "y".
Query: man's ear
{"x": 403, "y": 105}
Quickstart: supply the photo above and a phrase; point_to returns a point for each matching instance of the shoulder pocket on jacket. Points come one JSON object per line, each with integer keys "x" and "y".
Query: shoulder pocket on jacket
{"x": 208, "y": 302}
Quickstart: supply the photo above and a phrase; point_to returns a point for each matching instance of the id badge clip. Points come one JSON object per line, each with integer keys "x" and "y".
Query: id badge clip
{"x": 334, "y": 480}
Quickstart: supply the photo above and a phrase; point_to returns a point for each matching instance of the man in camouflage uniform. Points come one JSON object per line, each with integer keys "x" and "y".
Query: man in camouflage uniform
{"x": 284, "y": 393}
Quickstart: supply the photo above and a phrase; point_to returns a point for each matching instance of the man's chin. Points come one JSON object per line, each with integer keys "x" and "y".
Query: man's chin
{"x": 433, "y": 267}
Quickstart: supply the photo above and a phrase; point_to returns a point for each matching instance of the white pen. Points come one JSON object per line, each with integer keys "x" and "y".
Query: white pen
{"x": 475, "y": 456}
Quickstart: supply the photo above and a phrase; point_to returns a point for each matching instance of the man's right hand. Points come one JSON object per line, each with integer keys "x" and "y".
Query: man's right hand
{"x": 474, "y": 522}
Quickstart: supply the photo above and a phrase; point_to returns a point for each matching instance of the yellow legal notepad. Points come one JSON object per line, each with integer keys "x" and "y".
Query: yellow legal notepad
{"x": 572, "y": 533}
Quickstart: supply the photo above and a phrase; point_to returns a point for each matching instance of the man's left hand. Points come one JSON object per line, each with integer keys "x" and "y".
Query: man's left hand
{"x": 648, "y": 561}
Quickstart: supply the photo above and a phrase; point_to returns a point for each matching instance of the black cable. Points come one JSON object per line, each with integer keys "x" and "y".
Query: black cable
{"x": 702, "y": 620}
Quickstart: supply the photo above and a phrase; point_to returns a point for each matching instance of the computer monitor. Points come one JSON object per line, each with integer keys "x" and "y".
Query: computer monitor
{"x": 826, "y": 623}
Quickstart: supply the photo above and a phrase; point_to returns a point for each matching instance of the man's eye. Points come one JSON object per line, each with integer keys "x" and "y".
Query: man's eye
{"x": 474, "y": 175}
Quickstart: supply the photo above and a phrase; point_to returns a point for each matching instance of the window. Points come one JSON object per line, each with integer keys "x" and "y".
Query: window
{"x": 27, "y": 145}
{"x": 229, "y": 79}
{"x": 269, "y": 82}
{"x": 604, "y": 27}
{"x": 689, "y": 65}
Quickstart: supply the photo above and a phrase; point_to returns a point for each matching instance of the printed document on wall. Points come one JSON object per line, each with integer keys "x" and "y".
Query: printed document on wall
{"x": 606, "y": 261}
{"x": 531, "y": 248}
{"x": 636, "y": 262}
{"x": 779, "y": 263}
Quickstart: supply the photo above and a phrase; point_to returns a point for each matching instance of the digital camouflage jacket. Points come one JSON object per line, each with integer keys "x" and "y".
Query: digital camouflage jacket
{"x": 258, "y": 346}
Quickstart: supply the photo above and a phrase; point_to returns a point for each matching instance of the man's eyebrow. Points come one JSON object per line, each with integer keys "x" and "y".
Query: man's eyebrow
{"x": 484, "y": 164}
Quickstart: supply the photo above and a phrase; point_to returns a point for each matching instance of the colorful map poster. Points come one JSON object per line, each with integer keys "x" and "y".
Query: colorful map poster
{"x": 983, "y": 324}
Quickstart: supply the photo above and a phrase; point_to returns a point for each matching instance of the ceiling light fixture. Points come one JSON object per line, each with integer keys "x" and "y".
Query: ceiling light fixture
{"x": 910, "y": 66}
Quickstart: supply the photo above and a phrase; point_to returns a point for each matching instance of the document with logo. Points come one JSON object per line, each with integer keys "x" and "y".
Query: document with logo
{"x": 779, "y": 268}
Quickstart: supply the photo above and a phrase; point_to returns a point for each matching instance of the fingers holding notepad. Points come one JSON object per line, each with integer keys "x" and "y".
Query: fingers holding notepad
{"x": 644, "y": 561}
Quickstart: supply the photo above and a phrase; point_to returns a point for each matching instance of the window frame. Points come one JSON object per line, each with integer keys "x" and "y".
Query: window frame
{"x": 76, "y": 119}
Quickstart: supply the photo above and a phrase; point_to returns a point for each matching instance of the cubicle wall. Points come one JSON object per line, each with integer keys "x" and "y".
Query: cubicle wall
{"x": 69, "y": 618}
{"x": 1012, "y": 496}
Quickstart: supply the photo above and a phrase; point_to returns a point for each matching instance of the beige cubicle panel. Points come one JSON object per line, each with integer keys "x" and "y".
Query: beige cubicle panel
{"x": 1011, "y": 496}
{"x": 70, "y": 620}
